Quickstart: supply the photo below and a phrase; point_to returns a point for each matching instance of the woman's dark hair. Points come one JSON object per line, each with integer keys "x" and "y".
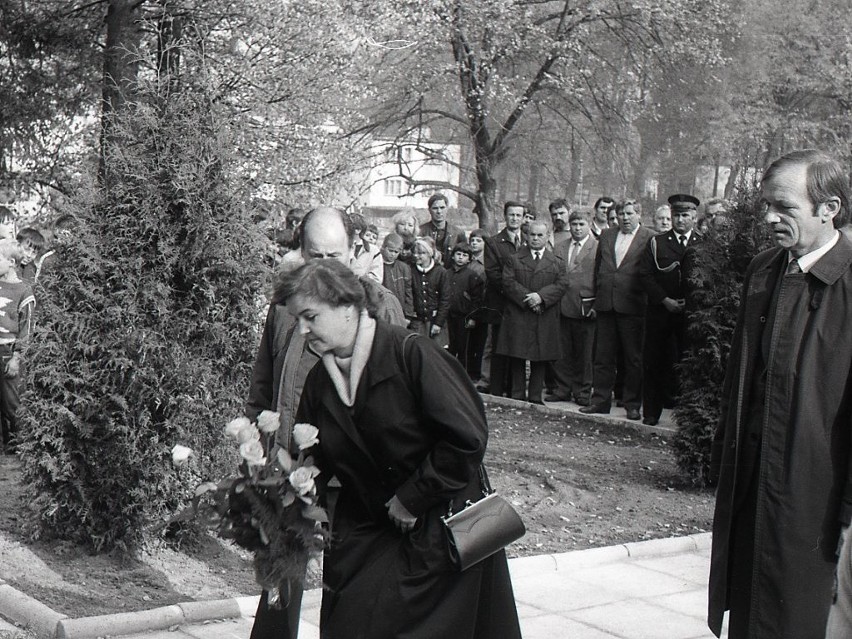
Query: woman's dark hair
{"x": 327, "y": 281}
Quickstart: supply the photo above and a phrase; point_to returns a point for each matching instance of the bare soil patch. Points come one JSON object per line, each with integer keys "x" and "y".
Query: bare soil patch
{"x": 577, "y": 484}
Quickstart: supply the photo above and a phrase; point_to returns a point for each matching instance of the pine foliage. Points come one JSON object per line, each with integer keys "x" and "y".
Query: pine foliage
{"x": 147, "y": 327}
{"x": 715, "y": 277}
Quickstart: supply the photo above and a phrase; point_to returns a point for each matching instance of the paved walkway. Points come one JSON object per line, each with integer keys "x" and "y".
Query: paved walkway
{"x": 644, "y": 590}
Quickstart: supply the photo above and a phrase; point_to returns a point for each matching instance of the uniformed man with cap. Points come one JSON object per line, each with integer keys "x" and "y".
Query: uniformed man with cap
{"x": 665, "y": 324}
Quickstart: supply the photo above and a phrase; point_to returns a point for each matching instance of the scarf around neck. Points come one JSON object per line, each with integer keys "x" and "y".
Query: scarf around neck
{"x": 345, "y": 372}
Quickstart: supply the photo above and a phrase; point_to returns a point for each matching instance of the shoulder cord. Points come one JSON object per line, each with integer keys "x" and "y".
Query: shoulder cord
{"x": 667, "y": 269}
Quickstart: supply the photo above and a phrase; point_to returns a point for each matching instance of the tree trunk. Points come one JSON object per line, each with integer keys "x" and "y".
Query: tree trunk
{"x": 121, "y": 66}
{"x": 486, "y": 205}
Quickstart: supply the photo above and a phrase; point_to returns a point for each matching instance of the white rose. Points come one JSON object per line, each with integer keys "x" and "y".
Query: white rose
{"x": 180, "y": 454}
{"x": 248, "y": 434}
{"x": 252, "y": 452}
{"x": 268, "y": 421}
{"x": 233, "y": 427}
{"x": 302, "y": 479}
{"x": 305, "y": 435}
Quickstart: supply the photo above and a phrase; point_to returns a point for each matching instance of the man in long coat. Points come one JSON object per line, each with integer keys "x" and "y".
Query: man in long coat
{"x": 534, "y": 281}
{"x": 781, "y": 449}
{"x": 498, "y": 251}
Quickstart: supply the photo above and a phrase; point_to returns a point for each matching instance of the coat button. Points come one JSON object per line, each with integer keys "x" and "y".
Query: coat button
{"x": 763, "y": 319}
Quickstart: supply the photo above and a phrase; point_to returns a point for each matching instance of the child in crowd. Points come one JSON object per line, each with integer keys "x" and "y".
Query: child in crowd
{"x": 477, "y": 248}
{"x": 405, "y": 224}
{"x": 7, "y": 223}
{"x": 32, "y": 245}
{"x": 467, "y": 289}
{"x": 431, "y": 289}
{"x": 397, "y": 274}
{"x": 367, "y": 259}
{"x": 16, "y": 308}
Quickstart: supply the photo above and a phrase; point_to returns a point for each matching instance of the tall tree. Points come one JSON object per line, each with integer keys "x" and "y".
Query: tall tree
{"x": 474, "y": 71}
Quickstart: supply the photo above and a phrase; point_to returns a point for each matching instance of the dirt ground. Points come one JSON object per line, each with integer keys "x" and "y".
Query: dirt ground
{"x": 577, "y": 484}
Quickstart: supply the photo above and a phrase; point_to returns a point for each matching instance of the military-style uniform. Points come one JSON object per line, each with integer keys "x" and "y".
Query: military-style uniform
{"x": 665, "y": 331}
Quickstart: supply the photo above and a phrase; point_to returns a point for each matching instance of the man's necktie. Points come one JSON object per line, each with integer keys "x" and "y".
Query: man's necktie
{"x": 535, "y": 255}
{"x": 682, "y": 241}
{"x": 575, "y": 248}
{"x": 793, "y": 267}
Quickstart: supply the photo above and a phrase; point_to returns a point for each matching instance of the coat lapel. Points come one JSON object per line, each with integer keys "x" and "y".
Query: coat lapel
{"x": 380, "y": 366}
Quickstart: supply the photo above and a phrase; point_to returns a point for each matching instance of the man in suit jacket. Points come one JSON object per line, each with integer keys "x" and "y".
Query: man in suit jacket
{"x": 620, "y": 303}
{"x": 665, "y": 322}
{"x": 444, "y": 233}
{"x": 499, "y": 249}
{"x": 573, "y": 371}
{"x": 534, "y": 280}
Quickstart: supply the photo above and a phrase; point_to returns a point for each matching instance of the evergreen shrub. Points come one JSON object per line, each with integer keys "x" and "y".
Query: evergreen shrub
{"x": 714, "y": 278}
{"x": 147, "y": 326}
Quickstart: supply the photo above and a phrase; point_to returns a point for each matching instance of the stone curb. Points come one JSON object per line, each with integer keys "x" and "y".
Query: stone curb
{"x": 26, "y": 611}
{"x": 32, "y": 614}
{"x": 527, "y": 566}
{"x": 663, "y": 431}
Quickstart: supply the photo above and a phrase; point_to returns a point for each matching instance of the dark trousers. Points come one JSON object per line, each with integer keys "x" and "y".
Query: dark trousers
{"x": 10, "y": 399}
{"x": 575, "y": 370}
{"x": 618, "y": 330}
{"x": 665, "y": 335}
{"x": 499, "y": 384}
{"x": 518, "y": 369}
{"x": 457, "y": 335}
{"x": 476, "y": 338}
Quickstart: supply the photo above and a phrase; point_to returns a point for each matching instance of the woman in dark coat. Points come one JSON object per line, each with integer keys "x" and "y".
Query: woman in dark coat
{"x": 403, "y": 429}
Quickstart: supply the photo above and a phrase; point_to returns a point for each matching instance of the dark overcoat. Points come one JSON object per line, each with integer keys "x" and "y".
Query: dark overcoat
{"x": 526, "y": 334}
{"x": 417, "y": 430}
{"x": 799, "y": 454}
{"x": 499, "y": 249}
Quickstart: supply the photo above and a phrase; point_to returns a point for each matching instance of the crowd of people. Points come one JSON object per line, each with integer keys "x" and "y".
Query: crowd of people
{"x": 579, "y": 306}
{"x": 584, "y": 306}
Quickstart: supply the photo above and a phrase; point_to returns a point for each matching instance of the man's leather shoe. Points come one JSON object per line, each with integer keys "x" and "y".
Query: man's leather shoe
{"x": 595, "y": 408}
{"x": 555, "y": 397}
{"x": 633, "y": 413}
{"x": 536, "y": 401}
{"x": 650, "y": 421}
{"x": 581, "y": 401}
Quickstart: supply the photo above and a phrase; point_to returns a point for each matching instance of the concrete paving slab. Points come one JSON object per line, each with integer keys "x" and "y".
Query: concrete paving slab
{"x": 638, "y": 619}
{"x": 631, "y": 580}
{"x": 689, "y": 602}
{"x": 690, "y": 567}
{"x": 557, "y": 626}
{"x": 551, "y": 593}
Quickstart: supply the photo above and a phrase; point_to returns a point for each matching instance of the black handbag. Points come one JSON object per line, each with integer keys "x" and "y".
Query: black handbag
{"x": 482, "y": 527}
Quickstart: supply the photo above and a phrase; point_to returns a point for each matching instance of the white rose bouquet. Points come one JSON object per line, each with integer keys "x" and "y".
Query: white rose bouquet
{"x": 270, "y": 507}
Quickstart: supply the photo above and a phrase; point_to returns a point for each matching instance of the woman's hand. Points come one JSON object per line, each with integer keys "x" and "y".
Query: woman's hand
{"x": 399, "y": 514}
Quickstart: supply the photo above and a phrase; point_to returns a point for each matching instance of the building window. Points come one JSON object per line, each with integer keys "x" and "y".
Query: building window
{"x": 407, "y": 153}
{"x": 394, "y": 187}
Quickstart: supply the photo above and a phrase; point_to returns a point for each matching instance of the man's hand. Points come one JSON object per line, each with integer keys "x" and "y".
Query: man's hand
{"x": 532, "y": 300}
{"x": 399, "y": 515}
{"x": 674, "y": 306}
{"x": 435, "y": 330}
{"x": 470, "y": 323}
{"x": 13, "y": 366}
